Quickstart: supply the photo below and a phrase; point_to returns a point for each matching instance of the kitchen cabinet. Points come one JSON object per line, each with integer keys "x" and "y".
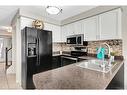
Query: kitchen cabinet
{"x": 56, "y": 31}
{"x": 78, "y": 27}
{"x": 71, "y": 29}
{"x": 118, "y": 81}
{"x": 63, "y": 33}
{"x": 56, "y": 62}
{"x": 66, "y": 30}
{"x": 110, "y": 25}
{"x": 104, "y": 26}
{"x": 47, "y": 26}
{"x": 74, "y": 28}
{"x": 90, "y": 27}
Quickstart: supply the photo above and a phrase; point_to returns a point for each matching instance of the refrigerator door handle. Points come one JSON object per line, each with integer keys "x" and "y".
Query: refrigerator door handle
{"x": 38, "y": 57}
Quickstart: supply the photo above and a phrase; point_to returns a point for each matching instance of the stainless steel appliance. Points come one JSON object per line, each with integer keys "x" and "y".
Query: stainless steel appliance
{"x": 75, "y": 39}
{"x": 36, "y": 54}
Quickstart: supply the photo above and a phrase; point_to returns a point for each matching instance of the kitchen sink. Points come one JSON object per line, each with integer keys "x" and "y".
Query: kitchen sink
{"x": 96, "y": 65}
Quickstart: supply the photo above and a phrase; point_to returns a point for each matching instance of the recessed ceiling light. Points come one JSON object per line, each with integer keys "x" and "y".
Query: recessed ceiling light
{"x": 53, "y": 10}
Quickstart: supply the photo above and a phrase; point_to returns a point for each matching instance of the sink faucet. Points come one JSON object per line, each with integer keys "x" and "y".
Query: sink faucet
{"x": 109, "y": 49}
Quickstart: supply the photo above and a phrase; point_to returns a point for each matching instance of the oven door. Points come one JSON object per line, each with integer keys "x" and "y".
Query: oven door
{"x": 71, "y": 40}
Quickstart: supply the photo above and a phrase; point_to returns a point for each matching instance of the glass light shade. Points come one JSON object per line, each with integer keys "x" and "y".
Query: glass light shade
{"x": 53, "y": 10}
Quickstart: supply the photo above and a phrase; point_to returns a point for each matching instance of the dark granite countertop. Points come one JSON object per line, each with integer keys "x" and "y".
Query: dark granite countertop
{"x": 74, "y": 77}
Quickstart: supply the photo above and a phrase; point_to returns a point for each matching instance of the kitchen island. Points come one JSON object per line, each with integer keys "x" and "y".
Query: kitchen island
{"x": 74, "y": 77}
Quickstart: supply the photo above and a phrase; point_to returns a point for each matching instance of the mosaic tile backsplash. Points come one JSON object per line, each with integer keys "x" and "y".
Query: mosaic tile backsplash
{"x": 116, "y": 46}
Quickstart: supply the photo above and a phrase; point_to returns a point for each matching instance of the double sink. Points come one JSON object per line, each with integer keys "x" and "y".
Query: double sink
{"x": 96, "y": 65}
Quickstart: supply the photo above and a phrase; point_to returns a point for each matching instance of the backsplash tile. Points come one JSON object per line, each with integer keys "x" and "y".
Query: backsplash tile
{"x": 116, "y": 45}
{"x": 62, "y": 47}
{"x": 57, "y": 47}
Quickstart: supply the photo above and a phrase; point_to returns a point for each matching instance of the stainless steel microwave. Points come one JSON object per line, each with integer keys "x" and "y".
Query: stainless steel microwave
{"x": 75, "y": 39}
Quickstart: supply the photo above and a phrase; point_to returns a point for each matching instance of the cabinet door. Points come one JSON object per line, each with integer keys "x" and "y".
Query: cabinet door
{"x": 63, "y": 33}
{"x": 110, "y": 25}
{"x": 90, "y": 27}
{"x": 56, "y": 62}
{"x": 78, "y": 29}
{"x": 56, "y": 33}
{"x": 70, "y": 28}
{"x": 56, "y": 36}
{"x": 66, "y": 30}
{"x": 47, "y": 26}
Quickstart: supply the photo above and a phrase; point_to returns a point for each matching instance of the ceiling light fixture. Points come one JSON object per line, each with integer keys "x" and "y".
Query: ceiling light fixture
{"x": 53, "y": 10}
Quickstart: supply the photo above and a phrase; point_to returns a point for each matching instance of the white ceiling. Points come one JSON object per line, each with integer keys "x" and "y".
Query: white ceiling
{"x": 8, "y": 12}
{"x": 6, "y": 15}
{"x": 67, "y": 11}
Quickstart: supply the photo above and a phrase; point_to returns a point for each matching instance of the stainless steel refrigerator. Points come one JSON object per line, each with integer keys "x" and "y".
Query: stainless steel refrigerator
{"x": 36, "y": 54}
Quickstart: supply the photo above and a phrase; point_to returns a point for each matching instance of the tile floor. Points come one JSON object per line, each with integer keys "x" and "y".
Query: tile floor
{"x": 7, "y": 81}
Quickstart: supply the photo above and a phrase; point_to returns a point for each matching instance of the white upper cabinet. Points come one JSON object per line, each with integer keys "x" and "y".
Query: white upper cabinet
{"x": 90, "y": 27}
{"x": 110, "y": 25}
{"x": 69, "y": 29}
{"x": 105, "y": 26}
{"x": 78, "y": 27}
{"x": 64, "y": 33}
{"x": 47, "y": 26}
{"x": 56, "y": 31}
